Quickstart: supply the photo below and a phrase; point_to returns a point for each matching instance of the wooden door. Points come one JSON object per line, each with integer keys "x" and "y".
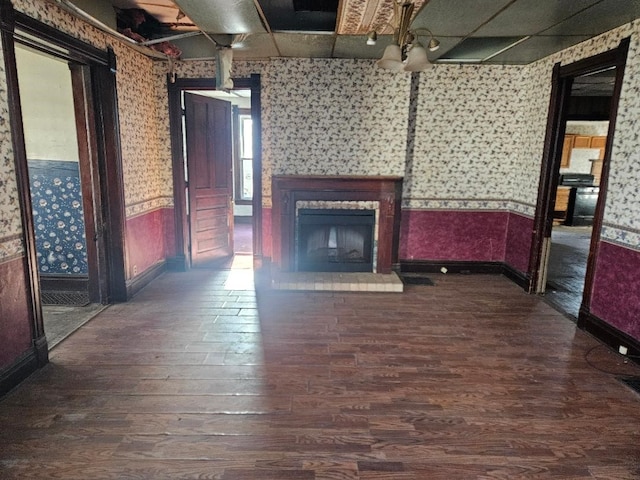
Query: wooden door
{"x": 209, "y": 182}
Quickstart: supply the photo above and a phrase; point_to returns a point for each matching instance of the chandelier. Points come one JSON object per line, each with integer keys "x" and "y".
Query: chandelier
{"x": 406, "y": 53}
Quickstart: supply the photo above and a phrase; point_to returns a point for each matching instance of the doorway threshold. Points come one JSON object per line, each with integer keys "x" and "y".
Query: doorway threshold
{"x": 337, "y": 282}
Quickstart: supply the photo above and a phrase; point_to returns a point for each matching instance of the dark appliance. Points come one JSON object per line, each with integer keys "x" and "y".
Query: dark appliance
{"x": 582, "y": 206}
{"x": 335, "y": 240}
{"x": 576, "y": 180}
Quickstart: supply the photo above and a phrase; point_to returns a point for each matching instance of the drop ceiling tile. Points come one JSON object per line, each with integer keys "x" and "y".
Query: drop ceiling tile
{"x": 598, "y": 19}
{"x": 218, "y": 16}
{"x": 474, "y": 48}
{"x": 256, "y": 46}
{"x": 536, "y": 48}
{"x": 529, "y": 17}
{"x": 195, "y": 47}
{"x": 456, "y": 18}
{"x": 305, "y": 45}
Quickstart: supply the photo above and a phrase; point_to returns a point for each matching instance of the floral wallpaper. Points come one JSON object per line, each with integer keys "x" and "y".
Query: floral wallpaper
{"x": 472, "y": 149}
{"x": 147, "y": 174}
{"x": 325, "y": 117}
{"x": 10, "y": 224}
{"x": 335, "y": 117}
{"x": 622, "y": 210}
{"x": 58, "y": 217}
{"x": 468, "y": 126}
{"x": 145, "y": 170}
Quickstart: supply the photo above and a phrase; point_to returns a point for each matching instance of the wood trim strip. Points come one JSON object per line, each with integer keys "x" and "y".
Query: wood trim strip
{"x": 598, "y": 217}
{"x": 466, "y": 267}
{"x": 256, "y": 117}
{"x": 608, "y": 334}
{"x": 15, "y": 373}
{"x": 112, "y": 188}
{"x": 78, "y": 50}
{"x": 139, "y": 282}
{"x": 30, "y": 262}
{"x": 65, "y": 283}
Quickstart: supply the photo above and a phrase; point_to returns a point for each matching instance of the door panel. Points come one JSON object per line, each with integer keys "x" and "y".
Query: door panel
{"x": 208, "y": 136}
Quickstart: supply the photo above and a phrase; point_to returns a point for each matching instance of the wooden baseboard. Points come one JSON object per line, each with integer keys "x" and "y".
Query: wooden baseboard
{"x": 177, "y": 264}
{"x": 15, "y": 373}
{"x": 66, "y": 283}
{"x": 138, "y": 283}
{"x": 608, "y": 334}
{"x": 516, "y": 276}
{"x": 435, "y": 266}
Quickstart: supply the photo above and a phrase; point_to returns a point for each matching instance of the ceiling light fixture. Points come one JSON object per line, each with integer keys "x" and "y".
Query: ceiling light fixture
{"x": 406, "y": 53}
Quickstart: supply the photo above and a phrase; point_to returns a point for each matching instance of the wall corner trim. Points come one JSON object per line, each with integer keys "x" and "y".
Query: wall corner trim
{"x": 19, "y": 370}
{"x": 608, "y": 334}
{"x": 138, "y": 283}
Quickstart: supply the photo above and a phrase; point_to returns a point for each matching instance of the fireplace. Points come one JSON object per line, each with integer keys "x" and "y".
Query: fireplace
{"x": 294, "y": 193}
{"x": 335, "y": 240}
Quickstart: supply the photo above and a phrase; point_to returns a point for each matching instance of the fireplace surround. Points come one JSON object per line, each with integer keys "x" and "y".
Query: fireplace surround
{"x": 291, "y": 191}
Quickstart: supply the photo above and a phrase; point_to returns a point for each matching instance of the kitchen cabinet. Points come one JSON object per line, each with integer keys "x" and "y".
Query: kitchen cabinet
{"x": 572, "y": 141}
{"x": 562, "y": 204}
{"x": 582, "y": 141}
{"x": 567, "y": 146}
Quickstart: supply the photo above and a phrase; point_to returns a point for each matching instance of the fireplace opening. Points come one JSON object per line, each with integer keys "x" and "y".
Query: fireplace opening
{"x": 335, "y": 240}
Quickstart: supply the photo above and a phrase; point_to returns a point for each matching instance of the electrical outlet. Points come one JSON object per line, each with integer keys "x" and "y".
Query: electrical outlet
{"x": 135, "y": 270}
{"x": 622, "y": 350}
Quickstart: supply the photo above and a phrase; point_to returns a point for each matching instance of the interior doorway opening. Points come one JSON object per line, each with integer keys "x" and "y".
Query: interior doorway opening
{"x": 244, "y": 205}
{"x": 573, "y": 180}
{"x": 579, "y": 178}
{"x": 61, "y": 190}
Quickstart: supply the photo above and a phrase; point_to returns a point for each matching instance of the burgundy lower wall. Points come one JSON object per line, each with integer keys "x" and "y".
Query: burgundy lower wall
{"x": 453, "y": 235}
{"x": 267, "y": 245}
{"x": 146, "y": 241}
{"x": 616, "y": 289}
{"x": 518, "y": 246}
{"x": 15, "y": 321}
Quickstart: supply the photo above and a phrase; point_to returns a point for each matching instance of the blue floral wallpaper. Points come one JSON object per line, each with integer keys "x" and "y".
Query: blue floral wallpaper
{"x": 56, "y": 198}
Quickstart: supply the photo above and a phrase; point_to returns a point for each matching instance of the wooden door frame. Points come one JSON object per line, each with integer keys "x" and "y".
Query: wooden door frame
{"x": 175, "y": 87}
{"x": 101, "y": 108}
{"x": 562, "y": 81}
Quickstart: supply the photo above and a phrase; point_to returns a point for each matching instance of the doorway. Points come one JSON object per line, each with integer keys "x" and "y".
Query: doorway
{"x": 94, "y": 112}
{"x": 573, "y": 180}
{"x": 579, "y": 180}
{"x": 244, "y": 207}
{"x": 61, "y": 194}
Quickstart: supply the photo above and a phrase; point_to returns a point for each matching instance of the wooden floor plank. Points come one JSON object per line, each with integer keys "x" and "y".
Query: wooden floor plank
{"x": 467, "y": 379}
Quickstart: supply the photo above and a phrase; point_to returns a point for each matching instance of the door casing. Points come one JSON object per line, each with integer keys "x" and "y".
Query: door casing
{"x": 100, "y": 100}
{"x": 176, "y": 86}
{"x": 562, "y": 81}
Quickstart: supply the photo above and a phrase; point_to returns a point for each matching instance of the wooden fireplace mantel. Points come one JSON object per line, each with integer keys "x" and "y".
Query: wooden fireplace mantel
{"x": 287, "y": 190}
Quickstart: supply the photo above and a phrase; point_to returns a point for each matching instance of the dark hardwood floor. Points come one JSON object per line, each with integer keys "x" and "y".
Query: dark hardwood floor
{"x": 567, "y": 268}
{"x": 194, "y": 379}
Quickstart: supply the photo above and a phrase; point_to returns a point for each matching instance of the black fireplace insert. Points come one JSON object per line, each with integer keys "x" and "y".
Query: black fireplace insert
{"x": 335, "y": 240}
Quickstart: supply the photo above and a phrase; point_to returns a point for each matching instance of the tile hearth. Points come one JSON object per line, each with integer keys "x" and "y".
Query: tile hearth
{"x": 337, "y": 282}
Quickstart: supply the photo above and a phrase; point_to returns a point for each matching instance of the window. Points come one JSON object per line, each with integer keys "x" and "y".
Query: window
{"x": 245, "y": 173}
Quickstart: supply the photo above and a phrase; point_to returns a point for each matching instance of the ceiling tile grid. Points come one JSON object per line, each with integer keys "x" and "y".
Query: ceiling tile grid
{"x": 494, "y": 31}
